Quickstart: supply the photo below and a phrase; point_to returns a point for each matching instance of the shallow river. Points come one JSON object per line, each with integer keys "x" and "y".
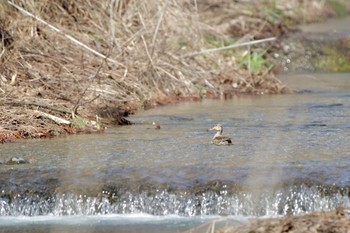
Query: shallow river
{"x": 290, "y": 155}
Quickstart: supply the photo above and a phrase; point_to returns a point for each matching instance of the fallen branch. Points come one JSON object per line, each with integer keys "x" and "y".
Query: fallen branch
{"x": 230, "y": 47}
{"x": 56, "y": 119}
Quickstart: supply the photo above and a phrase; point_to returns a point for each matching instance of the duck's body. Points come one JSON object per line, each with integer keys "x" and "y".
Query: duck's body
{"x": 221, "y": 141}
{"x": 218, "y": 139}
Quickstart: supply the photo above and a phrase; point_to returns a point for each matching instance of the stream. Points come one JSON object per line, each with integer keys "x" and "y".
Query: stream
{"x": 290, "y": 154}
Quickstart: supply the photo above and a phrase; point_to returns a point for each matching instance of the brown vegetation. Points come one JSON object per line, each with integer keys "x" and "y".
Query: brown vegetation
{"x": 336, "y": 221}
{"x": 103, "y": 59}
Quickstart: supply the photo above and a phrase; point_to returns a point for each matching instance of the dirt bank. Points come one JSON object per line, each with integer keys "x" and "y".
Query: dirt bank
{"x": 72, "y": 66}
{"x": 336, "y": 221}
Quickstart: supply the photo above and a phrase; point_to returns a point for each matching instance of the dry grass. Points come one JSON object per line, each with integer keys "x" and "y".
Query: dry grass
{"x": 147, "y": 39}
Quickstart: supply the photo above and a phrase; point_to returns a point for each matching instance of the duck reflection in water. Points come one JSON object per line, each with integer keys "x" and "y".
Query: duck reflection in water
{"x": 218, "y": 139}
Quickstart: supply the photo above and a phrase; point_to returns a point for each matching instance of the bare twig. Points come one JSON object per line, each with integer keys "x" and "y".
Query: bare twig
{"x": 158, "y": 25}
{"x": 147, "y": 52}
{"x": 77, "y": 104}
{"x": 2, "y": 53}
{"x": 111, "y": 22}
{"x": 249, "y": 43}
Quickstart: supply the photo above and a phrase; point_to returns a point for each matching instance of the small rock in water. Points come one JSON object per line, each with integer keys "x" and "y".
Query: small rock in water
{"x": 16, "y": 160}
{"x": 156, "y": 125}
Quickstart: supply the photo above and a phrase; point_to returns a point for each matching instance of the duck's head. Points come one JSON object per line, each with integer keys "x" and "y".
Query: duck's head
{"x": 216, "y": 127}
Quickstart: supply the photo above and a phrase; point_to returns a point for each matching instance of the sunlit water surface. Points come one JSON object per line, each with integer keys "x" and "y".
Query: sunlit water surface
{"x": 288, "y": 153}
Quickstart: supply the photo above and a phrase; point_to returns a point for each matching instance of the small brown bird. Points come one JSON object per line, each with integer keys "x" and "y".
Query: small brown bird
{"x": 218, "y": 139}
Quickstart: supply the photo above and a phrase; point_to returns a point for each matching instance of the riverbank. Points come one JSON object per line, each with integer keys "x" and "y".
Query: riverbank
{"x": 335, "y": 221}
{"x": 75, "y": 67}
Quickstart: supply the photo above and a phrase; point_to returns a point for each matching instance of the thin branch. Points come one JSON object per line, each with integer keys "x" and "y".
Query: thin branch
{"x": 230, "y": 47}
{"x": 76, "y": 106}
{"x": 144, "y": 42}
{"x": 147, "y": 52}
{"x": 158, "y": 25}
{"x": 112, "y": 5}
{"x": 2, "y": 53}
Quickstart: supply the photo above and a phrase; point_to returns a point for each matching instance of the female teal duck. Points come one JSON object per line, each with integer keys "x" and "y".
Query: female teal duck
{"x": 218, "y": 139}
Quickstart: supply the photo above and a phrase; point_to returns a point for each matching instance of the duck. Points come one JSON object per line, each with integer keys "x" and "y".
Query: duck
{"x": 218, "y": 139}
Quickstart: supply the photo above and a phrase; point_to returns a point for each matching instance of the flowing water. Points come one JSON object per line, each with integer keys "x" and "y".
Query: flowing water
{"x": 290, "y": 155}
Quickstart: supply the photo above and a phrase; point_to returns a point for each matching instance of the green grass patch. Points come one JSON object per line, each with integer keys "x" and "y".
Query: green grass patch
{"x": 333, "y": 60}
{"x": 201, "y": 89}
{"x": 79, "y": 122}
{"x": 338, "y": 7}
{"x": 273, "y": 14}
{"x": 256, "y": 62}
